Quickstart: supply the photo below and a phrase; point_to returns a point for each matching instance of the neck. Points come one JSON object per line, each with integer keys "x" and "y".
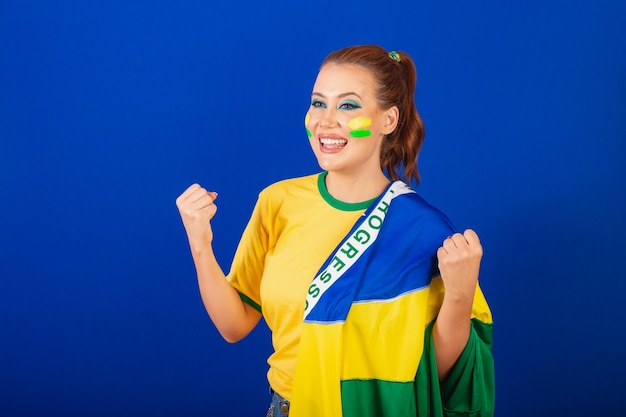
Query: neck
{"x": 351, "y": 189}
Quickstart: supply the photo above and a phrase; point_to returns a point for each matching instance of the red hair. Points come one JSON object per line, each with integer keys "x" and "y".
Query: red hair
{"x": 395, "y": 79}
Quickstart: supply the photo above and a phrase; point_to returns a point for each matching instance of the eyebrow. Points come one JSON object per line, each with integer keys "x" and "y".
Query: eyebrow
{"x": 342, "y": 95}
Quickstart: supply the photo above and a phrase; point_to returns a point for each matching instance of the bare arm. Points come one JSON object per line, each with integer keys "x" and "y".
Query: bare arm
{"x": 233, "y": 317}
{"x": 459, "y": 264}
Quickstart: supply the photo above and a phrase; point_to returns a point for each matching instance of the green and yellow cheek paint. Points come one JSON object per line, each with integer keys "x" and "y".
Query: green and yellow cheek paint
{"x": 306, "y": 124}
{"x": 359, "y": 126}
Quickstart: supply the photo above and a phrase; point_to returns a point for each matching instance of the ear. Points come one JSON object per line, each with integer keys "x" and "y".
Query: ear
{"x": 391, "y": 120}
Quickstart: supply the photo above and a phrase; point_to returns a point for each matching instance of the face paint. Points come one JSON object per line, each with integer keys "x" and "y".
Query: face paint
{"x": 306, "y": 124}
{"x": 359, "y": 127}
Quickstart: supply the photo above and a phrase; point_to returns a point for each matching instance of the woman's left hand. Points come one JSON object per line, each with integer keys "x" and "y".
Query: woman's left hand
{"x": 459, "y": 263}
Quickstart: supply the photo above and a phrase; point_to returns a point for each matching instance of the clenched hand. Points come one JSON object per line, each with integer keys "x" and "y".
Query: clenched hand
{"x": 197, "y": 208}
{"x": 459, "y": 264}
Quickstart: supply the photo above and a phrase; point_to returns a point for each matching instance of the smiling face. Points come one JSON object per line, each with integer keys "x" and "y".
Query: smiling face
{"x": 345, "y": 124}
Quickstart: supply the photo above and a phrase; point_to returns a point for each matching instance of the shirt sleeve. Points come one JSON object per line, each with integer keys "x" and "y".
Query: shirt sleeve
{"x": 247, "y": 267}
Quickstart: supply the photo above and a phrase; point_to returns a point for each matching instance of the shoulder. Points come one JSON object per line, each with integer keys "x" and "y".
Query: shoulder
{"x": 307, "y": 181}
{"x": 297, "y": 187}
{"x": 424, "y": 208}
{"x": 415, "y": 212}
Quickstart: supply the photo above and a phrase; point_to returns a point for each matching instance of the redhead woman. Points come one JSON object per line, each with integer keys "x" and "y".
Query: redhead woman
{"x": 371, "y": 294}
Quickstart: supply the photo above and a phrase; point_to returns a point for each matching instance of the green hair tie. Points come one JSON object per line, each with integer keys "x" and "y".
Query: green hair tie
{"x": 395, "y": 56}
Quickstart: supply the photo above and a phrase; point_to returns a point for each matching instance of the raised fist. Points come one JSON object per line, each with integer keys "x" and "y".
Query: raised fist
{"x": 197, "y": 208}
{"x": 459, "y": 264}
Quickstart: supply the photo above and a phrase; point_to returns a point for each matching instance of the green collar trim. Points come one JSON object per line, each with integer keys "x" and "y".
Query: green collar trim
{"x": 339, "y": 205}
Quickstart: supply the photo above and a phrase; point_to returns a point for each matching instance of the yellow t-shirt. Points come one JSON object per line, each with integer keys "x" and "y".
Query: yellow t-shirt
{"x": 294, "y": 227}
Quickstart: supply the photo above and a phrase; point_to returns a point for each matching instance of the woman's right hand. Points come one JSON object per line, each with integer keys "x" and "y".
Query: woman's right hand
{"x": 196, "y": 209}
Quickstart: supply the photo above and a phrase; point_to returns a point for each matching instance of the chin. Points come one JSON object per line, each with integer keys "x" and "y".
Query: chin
{"x": 326, "y": 165}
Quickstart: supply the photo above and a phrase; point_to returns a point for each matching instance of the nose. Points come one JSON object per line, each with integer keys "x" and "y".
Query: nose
{"x": 329, "y": 118}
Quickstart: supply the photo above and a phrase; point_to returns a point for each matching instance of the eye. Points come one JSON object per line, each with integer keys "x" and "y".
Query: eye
{"x": 349, "y": 105}
{"x": 317, "y": 103}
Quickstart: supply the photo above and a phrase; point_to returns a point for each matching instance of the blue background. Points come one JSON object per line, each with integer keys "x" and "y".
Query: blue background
{"x": 110, "y": 109}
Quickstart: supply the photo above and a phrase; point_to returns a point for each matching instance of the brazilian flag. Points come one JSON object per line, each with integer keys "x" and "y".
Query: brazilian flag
{"x": 366, "y": 347}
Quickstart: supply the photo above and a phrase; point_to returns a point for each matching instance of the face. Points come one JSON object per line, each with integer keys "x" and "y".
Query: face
{"x": 344, "y": 123}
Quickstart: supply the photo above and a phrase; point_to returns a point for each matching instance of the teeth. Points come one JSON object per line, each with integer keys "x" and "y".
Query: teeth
{"x": 326, "y": 141}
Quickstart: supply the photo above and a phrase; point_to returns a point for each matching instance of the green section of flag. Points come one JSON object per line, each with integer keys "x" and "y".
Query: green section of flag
{"x": 383, "y": 398}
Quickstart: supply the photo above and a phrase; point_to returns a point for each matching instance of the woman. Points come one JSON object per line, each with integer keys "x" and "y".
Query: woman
{"x": 372, "y": 298}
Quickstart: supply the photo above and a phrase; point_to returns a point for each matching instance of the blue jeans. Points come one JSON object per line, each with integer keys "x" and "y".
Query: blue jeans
{"x": 279, "y": 406}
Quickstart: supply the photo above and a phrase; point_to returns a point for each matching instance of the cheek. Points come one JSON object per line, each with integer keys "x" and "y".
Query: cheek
{"x": 360, "y": 127}
{"x": 307, "y": 120}
{"x": 311, "y": 120}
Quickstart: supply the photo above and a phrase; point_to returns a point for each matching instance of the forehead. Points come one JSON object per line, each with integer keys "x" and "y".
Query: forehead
{"x": 340, "y": 78}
